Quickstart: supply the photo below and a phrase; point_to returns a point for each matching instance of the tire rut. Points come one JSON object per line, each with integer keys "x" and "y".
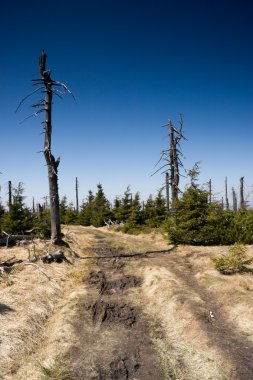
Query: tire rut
{"x": 234, "y": 345}
{"x": 113, "y": 335}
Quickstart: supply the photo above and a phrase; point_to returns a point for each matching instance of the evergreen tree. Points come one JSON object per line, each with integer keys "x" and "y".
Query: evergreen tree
{"x": 63, "y": 208}
{"x": 160, "y": 208}
{"x": 100, "y": 208}
{"x": 135, "y": 216}
{"x": 86, "y": 210}
{"x": 149, "y": 211}
{"x": 2, "y": 211}
{"x": 186, "y": 223}
{"x": 117, "y": 209}
{"x": 18, "y": 218}
{"x": 71, "y": 214}
{"x": 126, "y": 203}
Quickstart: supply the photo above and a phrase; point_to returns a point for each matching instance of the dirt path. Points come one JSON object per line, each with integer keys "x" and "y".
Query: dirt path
{"x": 118, "y": 333}
{"x": 120, "y": 313}
{"x": 114, "y": 330}
{"x": 221, "y": 332}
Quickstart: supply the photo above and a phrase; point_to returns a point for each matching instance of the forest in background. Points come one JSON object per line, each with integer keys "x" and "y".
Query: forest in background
{"x": 195, "y": 217}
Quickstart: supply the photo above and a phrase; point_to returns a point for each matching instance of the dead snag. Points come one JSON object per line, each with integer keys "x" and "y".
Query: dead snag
{"x": 171, "y": 159}
{"x": 46, "y": 85}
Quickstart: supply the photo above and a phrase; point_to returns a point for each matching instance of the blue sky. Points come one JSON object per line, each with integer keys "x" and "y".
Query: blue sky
{"x": 131, "y": 65}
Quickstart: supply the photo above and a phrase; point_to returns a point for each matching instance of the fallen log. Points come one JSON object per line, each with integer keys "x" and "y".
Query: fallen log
{"x": 10, "y": 262}
{"x": 12, "y": 239}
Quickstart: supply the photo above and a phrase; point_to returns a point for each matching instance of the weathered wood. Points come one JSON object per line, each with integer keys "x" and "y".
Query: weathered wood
{"x": 226, "y": 194}
{"x": 4, "y": 239}
{"x": 52, "y": 164}
{"x": 77, "y": 200}
{"x": 234, "y": 197}
{"x": 242, "y": 202}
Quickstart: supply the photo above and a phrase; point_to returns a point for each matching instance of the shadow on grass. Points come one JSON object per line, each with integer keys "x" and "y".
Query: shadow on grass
{"x": 5, "y": 309}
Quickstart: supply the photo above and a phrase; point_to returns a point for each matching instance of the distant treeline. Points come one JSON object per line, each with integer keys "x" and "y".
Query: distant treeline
{"x": 193, "y": 219}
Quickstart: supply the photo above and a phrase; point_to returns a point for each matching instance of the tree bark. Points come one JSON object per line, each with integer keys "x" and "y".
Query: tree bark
{"x": 52, "y": 164}
{"x": 167, "y": 187}
{"x": 77, "y": 201}
{"x": 226, "y": 194}
{"x": 242, "y": 202}
{"x": 234, "y": 197}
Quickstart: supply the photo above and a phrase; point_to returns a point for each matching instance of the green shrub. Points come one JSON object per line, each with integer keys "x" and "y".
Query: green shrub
{"x": 235, "y": 261}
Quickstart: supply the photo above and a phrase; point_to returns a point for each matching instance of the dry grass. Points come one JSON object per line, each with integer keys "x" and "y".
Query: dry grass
{"x": 36, "y": 315}
{"x": 28, "y": 301}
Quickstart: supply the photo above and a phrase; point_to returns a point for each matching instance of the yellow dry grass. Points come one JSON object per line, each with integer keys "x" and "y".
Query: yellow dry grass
{"x": 36, "y": 313}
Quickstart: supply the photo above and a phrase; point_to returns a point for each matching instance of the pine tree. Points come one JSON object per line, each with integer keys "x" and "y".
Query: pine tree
{"x": 71, "y": 215}
{"x": 101, "y": 208}
{"x": 2, "y": 211}
{"x": 160, "y": 208}
{"x": 63, "y": 209}
{"x": 126, "y": 203}
{"x": 149, "y": 211}
{"x": 18, "y": 218}
{"x": 86, "y": 210}
{"x": 135, "y": 216}
{"x": 117, "y": 209}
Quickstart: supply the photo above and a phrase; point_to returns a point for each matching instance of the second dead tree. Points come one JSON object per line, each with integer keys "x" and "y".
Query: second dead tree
{"x": 234, "y": 198}
{"x": 226, "y": 194}
{"x": 172, "y": 159}
{"x": 77, "y": 201}
{"x": 242, "y": 202}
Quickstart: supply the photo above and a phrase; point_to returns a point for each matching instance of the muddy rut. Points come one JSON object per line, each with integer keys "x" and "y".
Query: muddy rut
{"x": 221, "y": 332}
{"x": 113, "y": 335}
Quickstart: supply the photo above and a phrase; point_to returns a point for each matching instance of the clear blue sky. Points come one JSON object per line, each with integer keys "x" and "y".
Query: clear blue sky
{"x": 132, "y": 65}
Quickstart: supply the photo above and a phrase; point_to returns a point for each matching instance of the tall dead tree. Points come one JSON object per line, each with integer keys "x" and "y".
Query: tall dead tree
{"x": 77, "y": 202}
{"x": 167, "y": 187}
{"x": 9, "y": 194}
{"x": 46, "y": 85}
{"x": 234, "y": 198}
{"x": 172, "y": 158}
{"x": 226, "y": 194}
{"x": 242, "y": 202}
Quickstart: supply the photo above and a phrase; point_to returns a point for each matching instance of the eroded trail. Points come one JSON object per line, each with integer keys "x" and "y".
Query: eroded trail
{"x": 115, "y": 332}
{"x": 129, "y": 307}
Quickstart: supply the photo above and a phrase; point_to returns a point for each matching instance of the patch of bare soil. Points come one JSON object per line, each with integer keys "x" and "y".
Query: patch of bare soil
{"x": 119, "y": 346}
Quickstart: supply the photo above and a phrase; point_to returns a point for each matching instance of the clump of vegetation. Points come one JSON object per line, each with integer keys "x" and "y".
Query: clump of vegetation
{"x": 235, "y": 261}
{"x": 58, "y": 370}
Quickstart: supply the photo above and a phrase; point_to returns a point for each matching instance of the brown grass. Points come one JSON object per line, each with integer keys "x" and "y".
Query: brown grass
{"x": 36, "y": 315}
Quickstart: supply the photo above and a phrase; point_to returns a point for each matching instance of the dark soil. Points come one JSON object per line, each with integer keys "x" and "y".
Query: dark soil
{"x": 104, "y": 312}
{"x": 114, "y": 342}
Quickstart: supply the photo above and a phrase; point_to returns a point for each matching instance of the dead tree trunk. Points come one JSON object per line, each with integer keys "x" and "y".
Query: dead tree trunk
{"x": 167, "y": 187}
{"x": 226, "y": 194}
{"x": 39, "y": 211}
{"x": 47, "y": 85}
{"x": 172, "y": 159}
{"x": 33, "y": 206}
{"x": 242, "y": 202}
{"x": 77, "y": 202}
{"x": 9, "y": 194}
{"x": 52, "y": 164}
{"x": 234, "y": 197}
